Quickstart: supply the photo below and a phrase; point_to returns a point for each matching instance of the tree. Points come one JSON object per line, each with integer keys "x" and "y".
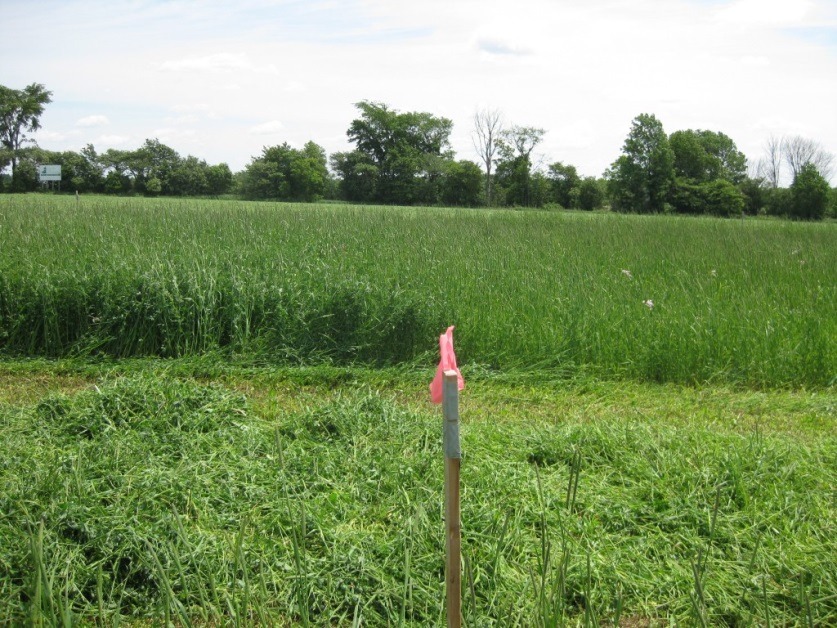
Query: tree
{"x": 488, "y": 128}
{"x": 358, "y": 176}
{"x": 639, "y": 180}
{"x": 591, "y": 194}
{"x": 809, "y": 194}
{"x": 800, "y": 151}
{"x": 703, "y": 156}
{"x": 564, "y": 179}
{"x": 462, "y": 184}
{"x": 770, "y": 166}
{"x": 286, "y": 173}
{"x": 20, "y": 113}
{"x": 514, "y": 171}
{"x": 403, "y": 148}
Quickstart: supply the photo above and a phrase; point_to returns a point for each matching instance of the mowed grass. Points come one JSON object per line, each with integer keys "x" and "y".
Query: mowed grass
{"x": 740, "y": 302}
{"x": 263, "y": 496}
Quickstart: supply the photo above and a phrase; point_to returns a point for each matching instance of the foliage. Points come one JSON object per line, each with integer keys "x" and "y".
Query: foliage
{"x": 735, "y": 301}
{"x": 809, "y": 194}
{"x": 718, "y": 197}
{"x": 755, "y": 191}
{"x": 703, "y": 156}
{"x": 639, "y": 180}
{"x": 564, "y": 179}
{"x": 463, "y": 184}
{"x": 514, "y": 170}
{"x": 286, "y": 173}
{"x": 397, "y": 156}
{"x": 591, "y": 193}
{"x": 20, "y": 114}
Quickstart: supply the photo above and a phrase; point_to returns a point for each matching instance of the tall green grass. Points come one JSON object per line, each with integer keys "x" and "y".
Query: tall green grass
{"x": 156, "y": 498}
{"x": 751, "y": 302}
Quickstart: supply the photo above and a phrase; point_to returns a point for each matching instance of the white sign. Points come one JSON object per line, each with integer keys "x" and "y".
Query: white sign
{"x": 49, "y": 173}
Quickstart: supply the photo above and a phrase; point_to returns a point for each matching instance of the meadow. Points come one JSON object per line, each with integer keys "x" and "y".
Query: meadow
{"x": 216, "y": 413}
{"x": 649, "y": 298}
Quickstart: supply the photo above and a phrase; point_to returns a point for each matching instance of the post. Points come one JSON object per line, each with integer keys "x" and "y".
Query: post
{"x": 453, "y": 584}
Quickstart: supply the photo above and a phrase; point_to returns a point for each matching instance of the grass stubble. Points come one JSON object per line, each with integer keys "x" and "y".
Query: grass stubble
{"x": 152, "y": 497}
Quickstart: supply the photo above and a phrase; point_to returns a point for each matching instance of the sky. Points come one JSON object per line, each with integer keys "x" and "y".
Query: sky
{"x": 221, "y": 80}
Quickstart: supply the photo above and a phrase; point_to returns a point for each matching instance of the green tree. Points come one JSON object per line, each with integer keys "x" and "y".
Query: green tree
{"x": 809, "y": 194}
{"x": 564, "y": 179}
{"x": 357, "y": 174}
{"x": 514, "y": 171}
{"x": 591, "y": 193}
{"x": 755, "y": 191}
{"x": 403, "y": 148}
{"x": 639, "y": 180}
{"x": 286, "y": 173}
{"x": 702, "y": 156}
{"x": 20, "y": 113}
{"x": 463, "y": 184}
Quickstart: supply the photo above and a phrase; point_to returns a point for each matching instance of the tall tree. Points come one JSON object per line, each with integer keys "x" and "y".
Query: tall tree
{"x": 488, "y": 128}
{"x": 564, "y": 179}
{"x": 514, "y": 171}
{"x": 770, "y": 166}
{"x": 639, "y": 180}
{"x": 403, "y": 148}
{"x": 809, "y": 194}
{"x": 800, "y": 151}
{"x": 704, "y": 156}
{"x": 20, "y": 113}
{"x": 286, "y": 173}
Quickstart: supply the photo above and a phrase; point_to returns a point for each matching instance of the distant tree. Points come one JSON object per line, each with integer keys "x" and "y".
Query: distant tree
{"x": 20, "y": 113}
{"x": 809, "y": 194}
{"x": 514, "y": 171}
{"x": 488, "y": 128}
{"x": 403, "y": 148}
{"x": 219, "y": 179}
{"x": 800, "y": 152}
{"x": 358, "y": 176}
{"x": 286, "y": 173}
{"x": 769, "y": 167}
{"x": 463, "y": 184}
{"x": 591, "y": 193}
{"x": 564, "y": 179}
{"x": 639, "y": 180}
{"x": 778, "y": 202}
{"x": 702, "y": 156}
{"x": 755, "y": 191}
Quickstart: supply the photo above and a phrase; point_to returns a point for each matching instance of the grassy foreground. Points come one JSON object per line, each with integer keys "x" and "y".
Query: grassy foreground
{"x": 206, "y": 494}
{"x": 654, "y": 298}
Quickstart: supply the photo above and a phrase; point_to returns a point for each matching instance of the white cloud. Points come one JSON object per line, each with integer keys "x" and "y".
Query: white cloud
{"x": 501, "y": 46}
{"x": 218, "y": 62}
{"x": 47, "y": 135}
{"x": 93, "y": 121}
{"x": 766, "y": 12}
{"x": 112, "y": 140}
{"x": 268, "y": 128}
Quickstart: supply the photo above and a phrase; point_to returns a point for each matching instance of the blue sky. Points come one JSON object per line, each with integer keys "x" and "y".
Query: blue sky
{"x": 220, "y": 80}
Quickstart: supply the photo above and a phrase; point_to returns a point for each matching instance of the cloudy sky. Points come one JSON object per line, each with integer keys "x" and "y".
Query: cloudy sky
{"x": 222, "y": 79}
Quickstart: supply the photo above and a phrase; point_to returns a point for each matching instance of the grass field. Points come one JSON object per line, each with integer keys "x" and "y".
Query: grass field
{"x": 748, "y": 302}
{"x": 216, "y": 413}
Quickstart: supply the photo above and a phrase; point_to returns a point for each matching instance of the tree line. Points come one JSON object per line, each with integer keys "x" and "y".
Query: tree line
{"x": 405, "y": 158}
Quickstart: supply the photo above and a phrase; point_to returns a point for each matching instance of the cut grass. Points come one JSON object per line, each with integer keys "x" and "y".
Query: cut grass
{"x": 317, "y": 498}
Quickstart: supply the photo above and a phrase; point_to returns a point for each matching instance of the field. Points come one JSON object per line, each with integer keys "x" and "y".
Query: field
{"x": 745, "y": 302}
{"x": 216, "y": 412}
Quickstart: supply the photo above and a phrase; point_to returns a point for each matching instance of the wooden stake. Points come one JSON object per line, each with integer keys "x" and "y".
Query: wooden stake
{"x": 453, "y": 582}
